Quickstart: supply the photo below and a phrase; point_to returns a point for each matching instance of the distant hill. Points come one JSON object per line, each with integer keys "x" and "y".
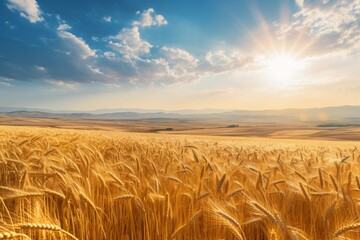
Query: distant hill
{"x": 23, "y": 109}
{"x": 308, "y": 114}
{"x": 340, "y": 113}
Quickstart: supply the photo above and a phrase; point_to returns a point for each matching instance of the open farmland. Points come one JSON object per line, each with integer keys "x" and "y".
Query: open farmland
{"x": 347, "y": 131}
{"x": 72, "y": 184}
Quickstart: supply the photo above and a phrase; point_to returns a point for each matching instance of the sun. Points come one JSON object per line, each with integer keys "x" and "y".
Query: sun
{"x": 283, "y": 67}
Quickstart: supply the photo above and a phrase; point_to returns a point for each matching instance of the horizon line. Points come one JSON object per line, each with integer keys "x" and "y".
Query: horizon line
{"x": 39, "y": 109}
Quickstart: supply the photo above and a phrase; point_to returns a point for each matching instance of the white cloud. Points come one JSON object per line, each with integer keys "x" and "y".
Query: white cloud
{"x": 58, "y": 83}
{"x": 300, "y": 3}
{"x": 178, "y": 57}
{"x": 173, "y": 66}
{"x": 129, "y": 43}
{"x": 321, "y": 19}
{"x": 159, "y": 71}
{"x": 63, "y": 27}
{"x": 137, "y": 65}
{"x": 40, "y": 68}
{"x": 109, "y": 55}
{"x": 221, "y": 61}
{"x": 132, "y": 61}
{"x": 324, "y": 27}
{"x": 112, "y": 85}
{"x": 107, "y": 18}
{"x": 28, "y": 9}
{"x": 180, "y": 65}
{"x": 77, "y": 44}
{"x": 5, "y": 84}
{"x": 218, "y": 59}
{"x": 5, "y": 79}
{"x": 152, "y": 70}
{"x": 149, "y": 71}
{"x": 95, "y": 69}
{"x": 149, "y": 18}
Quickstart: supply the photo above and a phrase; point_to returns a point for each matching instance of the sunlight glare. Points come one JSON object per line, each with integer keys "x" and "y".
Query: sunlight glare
{"x": 283, "y": 67}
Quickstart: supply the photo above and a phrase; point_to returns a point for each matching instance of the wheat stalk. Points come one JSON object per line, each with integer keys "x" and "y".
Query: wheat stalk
{"x": 346, "y": 228}
{"x": 48, "y": 227}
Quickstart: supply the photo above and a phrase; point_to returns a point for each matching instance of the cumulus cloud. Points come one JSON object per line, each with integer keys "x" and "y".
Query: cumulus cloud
{"x": 180, "y": 65}
{"x": 128, "y": 59}
{"x": 149, "y": 18}
{"x": 218, "y": 59}
{"x": 28, "y": 9}
{"x": 129, "y": 43}
{"x": 132, "y": 59}
{"x": 77, "y": 44}
{"x": 173, "y": 65}
{"x": 300, "y": 3}
{"x": 141, "y": 71}
{"x": 179, "y": 57}
{"x": 152, "y": 70}
{"x": 221, "y": 61}
{"x": 159, "y": 71}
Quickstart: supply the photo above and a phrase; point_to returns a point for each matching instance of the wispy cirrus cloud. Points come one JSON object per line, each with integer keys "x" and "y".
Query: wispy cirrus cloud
{"x": 6, "y": 82}
{"x": 40, "y": 68}
{"x": 324, "y": 27}
{"x": 28, "y": 9}
{"x": 74, "y": 43}
{"x": 62, "y": 84}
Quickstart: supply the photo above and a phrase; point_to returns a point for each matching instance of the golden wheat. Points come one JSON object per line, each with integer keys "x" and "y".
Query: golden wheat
{"x": 67, "y": 184}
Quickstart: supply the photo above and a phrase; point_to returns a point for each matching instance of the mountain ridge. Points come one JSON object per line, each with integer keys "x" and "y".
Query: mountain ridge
{"x": 333, "y": 113}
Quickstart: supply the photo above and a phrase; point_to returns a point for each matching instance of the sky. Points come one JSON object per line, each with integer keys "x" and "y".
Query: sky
{"x": 166, "y": 54}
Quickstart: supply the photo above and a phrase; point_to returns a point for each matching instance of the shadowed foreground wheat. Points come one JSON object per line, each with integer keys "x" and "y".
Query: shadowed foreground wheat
{"x": 63, "y": 184}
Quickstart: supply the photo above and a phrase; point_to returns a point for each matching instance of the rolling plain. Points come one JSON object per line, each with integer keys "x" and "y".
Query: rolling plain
{"x": 94, "y": 179}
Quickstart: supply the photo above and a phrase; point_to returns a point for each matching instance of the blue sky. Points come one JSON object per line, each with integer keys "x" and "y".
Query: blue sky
{"x": 260, "y": 54}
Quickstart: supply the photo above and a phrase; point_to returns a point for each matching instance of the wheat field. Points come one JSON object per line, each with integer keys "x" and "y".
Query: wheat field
{"x": 67, "y": 184}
